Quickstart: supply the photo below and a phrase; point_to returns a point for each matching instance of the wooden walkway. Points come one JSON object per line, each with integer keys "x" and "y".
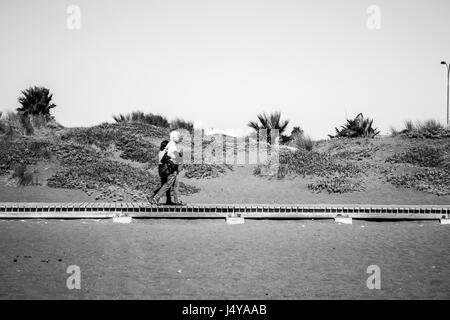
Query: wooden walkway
{"x": 86, "y": 210}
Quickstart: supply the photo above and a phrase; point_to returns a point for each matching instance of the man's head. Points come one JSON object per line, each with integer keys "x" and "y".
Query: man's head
{"x": 176, "y": 137}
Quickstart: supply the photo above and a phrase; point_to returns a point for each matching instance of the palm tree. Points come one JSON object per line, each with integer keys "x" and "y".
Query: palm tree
{"x": 269, "y": 123}
{"x": 36, "y": 101}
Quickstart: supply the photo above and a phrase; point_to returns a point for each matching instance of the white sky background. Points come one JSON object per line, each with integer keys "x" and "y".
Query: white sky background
{"x": 221, "y": 62}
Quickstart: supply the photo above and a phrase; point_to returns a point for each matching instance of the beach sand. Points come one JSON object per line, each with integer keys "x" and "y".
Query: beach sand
{"x": 208, "y": 259}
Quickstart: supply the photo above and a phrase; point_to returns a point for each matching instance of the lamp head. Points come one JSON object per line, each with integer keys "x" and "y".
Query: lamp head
{"x": 443, "y": 62}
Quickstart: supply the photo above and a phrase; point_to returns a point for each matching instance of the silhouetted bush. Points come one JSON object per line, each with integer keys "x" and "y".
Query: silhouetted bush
{"x": 295, "y": 133}
{"x": 36, "y": 100}
{"x": 304, "y": 142}
{"x": 139, "y": 116}
{"x": 271, "y": 122}
{"x": 409, "y": 125}
{"x": 358, "y": 127}
{"x": 431, "y": 129}
{"x": 182, "y": 124}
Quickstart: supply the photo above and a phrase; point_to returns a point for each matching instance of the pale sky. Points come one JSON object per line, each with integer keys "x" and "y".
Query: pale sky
{"x": 220, "y": 62}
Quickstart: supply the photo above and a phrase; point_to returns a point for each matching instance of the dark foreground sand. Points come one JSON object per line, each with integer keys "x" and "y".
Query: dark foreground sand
{"x": 208, "y": 259}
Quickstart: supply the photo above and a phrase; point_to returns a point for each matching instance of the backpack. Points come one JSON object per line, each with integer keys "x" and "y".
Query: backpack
{"x": 167, "y": 165}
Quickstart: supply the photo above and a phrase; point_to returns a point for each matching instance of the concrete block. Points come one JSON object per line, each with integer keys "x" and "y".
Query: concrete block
{"x": 342, "y": 219}
{"x": 122, "y": 219}
{"x": 235, "y": 219}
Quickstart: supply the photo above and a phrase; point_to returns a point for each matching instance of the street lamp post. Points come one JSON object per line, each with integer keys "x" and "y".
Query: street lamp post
{"x": 448, "y": 79}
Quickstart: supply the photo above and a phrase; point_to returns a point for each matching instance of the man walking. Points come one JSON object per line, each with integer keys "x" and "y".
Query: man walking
{"x": 175, "y": 159}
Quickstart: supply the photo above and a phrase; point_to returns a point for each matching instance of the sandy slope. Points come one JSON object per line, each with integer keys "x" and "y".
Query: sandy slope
{"x": 241, "y": 186}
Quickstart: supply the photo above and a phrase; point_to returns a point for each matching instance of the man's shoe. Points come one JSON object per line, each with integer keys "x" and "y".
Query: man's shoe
{"x": 152, "y": 200}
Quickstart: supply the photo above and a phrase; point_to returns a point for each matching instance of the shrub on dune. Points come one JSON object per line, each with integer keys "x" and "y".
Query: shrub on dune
{"x": 335, "y": 175}
{"x": 182, "y": 124}
{"x": 313, "y": 163}
{"x": 26, "y": 124}
{"x": 356, "y": 128}
{"x": 120, "y": 118}
{"x": 430, "y": 125}
{"x": 429, "y": 129}
{"x": 304, "y": 142}
{"x": 201, "y": 171}
{"x": 431, "y": 180}
{"x": 423, "y": 156}
{"x": 86, "y": 169}
{"x": 22, "y": 151}
{"x": 3, "y": 126}
{"x": 139, "y": 116}
{"x": 36, "y": 101}
{"x": 270, "y": 122}
{"x": 299, "y": 140}
{"x": 130, "y": 139}
{"x": 409, "y": 125}
{"x": 336, "y": 185}
{"x": 11, "y": 124}
{"x": 24, "y": 176}
{"x": 33, "y": 115}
